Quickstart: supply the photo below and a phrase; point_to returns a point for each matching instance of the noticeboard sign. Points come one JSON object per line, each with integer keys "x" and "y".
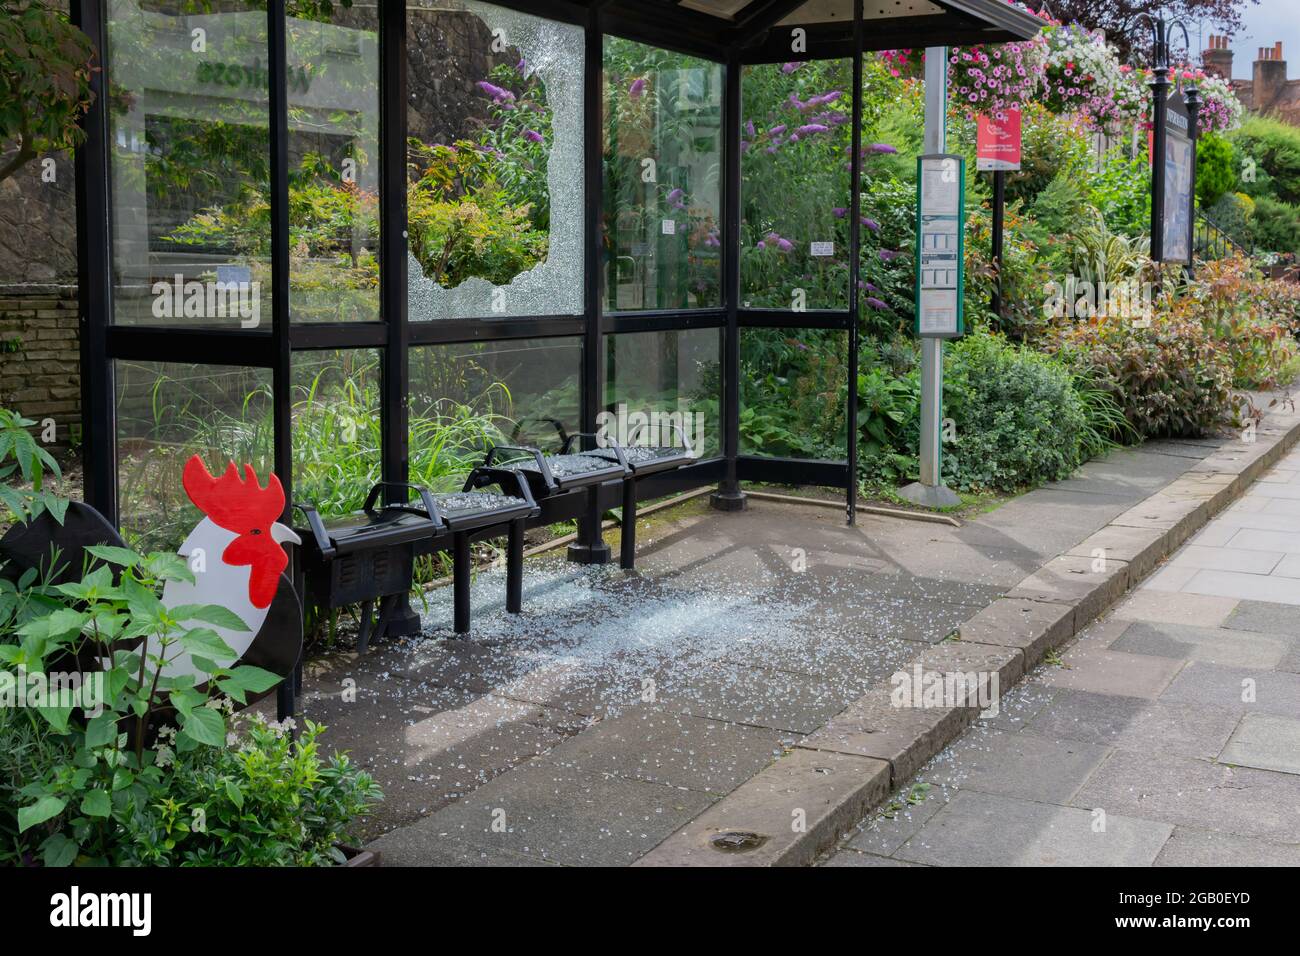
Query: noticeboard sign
{"x": 997, "y": 143}
{"x": 1179, "y": 160}
{"x": 940, "y": 244}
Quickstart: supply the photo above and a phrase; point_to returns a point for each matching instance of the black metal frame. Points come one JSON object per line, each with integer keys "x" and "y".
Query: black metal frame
{"x": 746, "y": 39}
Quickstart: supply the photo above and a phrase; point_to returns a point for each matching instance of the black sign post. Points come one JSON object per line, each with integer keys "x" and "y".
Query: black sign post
{"x": 1173, "y": 155}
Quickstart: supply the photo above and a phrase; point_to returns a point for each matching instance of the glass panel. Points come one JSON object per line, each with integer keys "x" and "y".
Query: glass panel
{"x": 495, "y": 203}
{"x": 189, "y": 156}
{"x": 793, "y": 393}
{"x": 660, "y": 381}
{"x": 796, "y": 184}
{"x": 333, "y": 86}
{"x": 167, "y": 412}
{"x": 465, "y": 397}
{"x": 663, "y": 150}
{"x": 337, "y": 438}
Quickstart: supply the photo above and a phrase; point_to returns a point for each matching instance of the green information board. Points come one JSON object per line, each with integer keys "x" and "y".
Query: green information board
{"x": 940, "y": 245}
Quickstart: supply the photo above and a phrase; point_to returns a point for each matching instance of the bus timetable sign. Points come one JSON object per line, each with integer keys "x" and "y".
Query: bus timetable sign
{"x": 1178, "y": 167}
{"x": 940, "y": 244}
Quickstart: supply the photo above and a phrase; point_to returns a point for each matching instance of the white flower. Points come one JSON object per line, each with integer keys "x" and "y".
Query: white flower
{"x": 165, "y": 757}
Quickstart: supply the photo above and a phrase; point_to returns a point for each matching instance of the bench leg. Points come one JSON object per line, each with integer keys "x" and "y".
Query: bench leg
{"x": 515, "y": 567}
{"x": 460, "y": 571}
{"x": 363, "y": 630}
{"x": 627, "y": 551}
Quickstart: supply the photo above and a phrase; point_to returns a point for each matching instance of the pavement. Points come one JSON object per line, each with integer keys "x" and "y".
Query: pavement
{"x": 627, "y": 718}
{"x": 1167, "y": 734}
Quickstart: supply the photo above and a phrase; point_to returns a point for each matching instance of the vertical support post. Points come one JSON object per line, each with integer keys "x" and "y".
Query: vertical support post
{"x": 395, "y": 407}
{"x": 278, "y": 58}
{"x": 515, "y": 567}
{"x": 1193, "y": 100}
{"x": 94, "y": 283}
{"x": 729, "y": 497}
{"x": 1160, "y": 92}
{"x": 590, "y": 548}
{"x": 855, "y": 269}
{"x": 627, "y": 545}
{"x": 930, "y": 489}
{"x": 460, "y": 581}
{"x": 999, "y": 211}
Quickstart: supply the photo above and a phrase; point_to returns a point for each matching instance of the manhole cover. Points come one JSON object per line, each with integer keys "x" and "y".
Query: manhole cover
{"x": 737, "y": 841}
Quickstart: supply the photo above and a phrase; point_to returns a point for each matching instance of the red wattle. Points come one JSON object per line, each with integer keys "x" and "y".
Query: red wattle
{"x": 265, "y": 558}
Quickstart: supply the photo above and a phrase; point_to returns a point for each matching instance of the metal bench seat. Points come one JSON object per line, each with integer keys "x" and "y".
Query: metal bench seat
{"x": 555, "y": 474}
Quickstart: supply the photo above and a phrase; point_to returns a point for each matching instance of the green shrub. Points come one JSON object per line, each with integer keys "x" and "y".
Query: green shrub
{"x": 1216, "y": 168}
{"x": 1275, "y": 225}
{"x": 1271, "y": 150}
{"x": 1019, "y": 420}
{"x": 1171, "y": 378}
{"x": 1122, "y": 191}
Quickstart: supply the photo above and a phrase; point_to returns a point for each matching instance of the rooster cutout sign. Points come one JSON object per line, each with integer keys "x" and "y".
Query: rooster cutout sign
{"x": 236, "y": 553}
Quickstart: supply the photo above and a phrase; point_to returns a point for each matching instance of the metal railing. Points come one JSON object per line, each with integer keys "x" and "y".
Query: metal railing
{"x": 1211, "y": 241}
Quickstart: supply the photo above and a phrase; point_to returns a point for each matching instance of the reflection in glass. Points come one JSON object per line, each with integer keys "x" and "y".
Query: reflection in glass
{"x": 189, "y": 164}
{"x": 662, "y": 381}
{"x": 796, "y": 185}
{"x": 167, "y": 412}
{"x": 663, "y": 147}
{"x": 495, "y": 157}
{"x": 333, "y": 86}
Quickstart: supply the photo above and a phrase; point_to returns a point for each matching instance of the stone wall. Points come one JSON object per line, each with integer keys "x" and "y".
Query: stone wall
{"x": 40, "y": 367}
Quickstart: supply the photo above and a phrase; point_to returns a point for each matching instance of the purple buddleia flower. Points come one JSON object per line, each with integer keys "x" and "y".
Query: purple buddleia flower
{"x": 809, "y": 129}
{"x": 785, "y": 245}
{"x": 750, "y": 131}
{"x": 497, "y": 93}
{"x": 533, "y": 136}
{"x": 637, "y": 88}
{"x": 888, "y": 255}
{"x": 871, "y": 224}
{"x": 778, "y": 130}
{"x": 788, "y": 68}
{"x": 875, "y": 303}
{"x": 840, "y": 212}
{"x": 882, "y": 148}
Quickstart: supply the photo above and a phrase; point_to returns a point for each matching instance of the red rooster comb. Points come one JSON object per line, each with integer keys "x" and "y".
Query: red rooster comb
{"x": 234, "y": 503}
{"x": 245, "y": 508}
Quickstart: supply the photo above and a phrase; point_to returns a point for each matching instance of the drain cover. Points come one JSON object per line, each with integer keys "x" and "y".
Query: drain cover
{"x": 736, "y": 841}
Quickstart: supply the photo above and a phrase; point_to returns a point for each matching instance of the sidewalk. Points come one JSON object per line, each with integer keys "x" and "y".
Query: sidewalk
{"x": 1168, "y": 734}
{"x": 622, "y": 716}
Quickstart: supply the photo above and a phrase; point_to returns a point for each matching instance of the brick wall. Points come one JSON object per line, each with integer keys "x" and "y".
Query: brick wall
{"x": 40, "y": 367}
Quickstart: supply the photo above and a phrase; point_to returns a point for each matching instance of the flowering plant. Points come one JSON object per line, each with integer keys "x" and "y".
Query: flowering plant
{"x": 1082, "y": 74}
{"x": 993, "y": 79}
{"x": 1220, "y": 108}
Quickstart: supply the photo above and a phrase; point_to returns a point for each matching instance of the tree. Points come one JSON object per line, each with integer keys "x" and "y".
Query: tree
{"x": 1130, "y": 31}
{"x": 45, "y": 68}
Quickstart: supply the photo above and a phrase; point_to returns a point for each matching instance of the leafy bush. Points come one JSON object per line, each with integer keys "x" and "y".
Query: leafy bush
{"x": 1275, "y": 225}
{"x": 1170, "y": 377}
{"x": 1019, "y": 420}
{"x": 1122, "y": 191}
{"x": 1272, "y": 149}
{"x": 1216, "y": 168}
{"x": 94, "y": 775}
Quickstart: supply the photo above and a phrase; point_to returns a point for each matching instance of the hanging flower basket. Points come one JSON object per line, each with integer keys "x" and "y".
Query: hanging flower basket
{"x": 993, "y": 79}
{"x": 1082, "y": 75}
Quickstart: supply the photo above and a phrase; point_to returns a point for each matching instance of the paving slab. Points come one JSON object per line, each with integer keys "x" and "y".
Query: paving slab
{"x": 899, "y": 819}
{"x": 1265, "y": 617}
{"x": 1021, "y": 765}
{"x": 796, "y": 807}
{"x": 1140, "y": 548}
{"x": 1240, "y": 559}
{"x": 982, "y": 829}
{"x": 1239, "y": 689}
{"x": 854, "y": 858}
{"x": 1111, "y": 672}
{"x": 758, "y": 697}
{"x": 1131, "y": 723}
{"x": 1145, "y": 605}
{"x": 1192, "y": 847}
{"x": 417, "y": 846}
{"x": 1196, "y": 793}
{"x": 1032, "y": 626}
{"x": 1089, "y": 585}
{"x": 1265, "y": 742}
{"x": 903, "y": 736}
{"x": 568, "y": 816}
{"x": 658, "y": 746}
{"x": 1245, "y": 587}
{"x": 1214, "y": 645}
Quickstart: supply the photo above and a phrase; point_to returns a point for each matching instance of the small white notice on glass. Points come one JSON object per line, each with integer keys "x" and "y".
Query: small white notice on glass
{"x": 823, "y": 248}
{"x": 670, "y": 227}
{"x": 939, "y": 246}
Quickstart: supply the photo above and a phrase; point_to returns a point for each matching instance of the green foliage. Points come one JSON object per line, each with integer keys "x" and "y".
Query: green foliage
{"x": 1275, "y": 225}
{"x": 1270, "y": 150}
{"x": 1019, "y": 420}
{"x": 22, "y": 457}
{"x": 124, "y": 765}
{"x": 45, "y": 71}
{"x": 1216, "y": 168}
{"x": 1170, "y": 377}
{"x": 1122, "y": 191}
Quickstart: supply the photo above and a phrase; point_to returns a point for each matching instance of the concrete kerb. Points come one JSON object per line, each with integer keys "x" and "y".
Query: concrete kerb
{"x": 802, "y": 803}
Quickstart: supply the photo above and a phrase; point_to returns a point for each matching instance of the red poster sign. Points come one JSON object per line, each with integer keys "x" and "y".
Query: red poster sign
{"x": 997, "y": 143}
